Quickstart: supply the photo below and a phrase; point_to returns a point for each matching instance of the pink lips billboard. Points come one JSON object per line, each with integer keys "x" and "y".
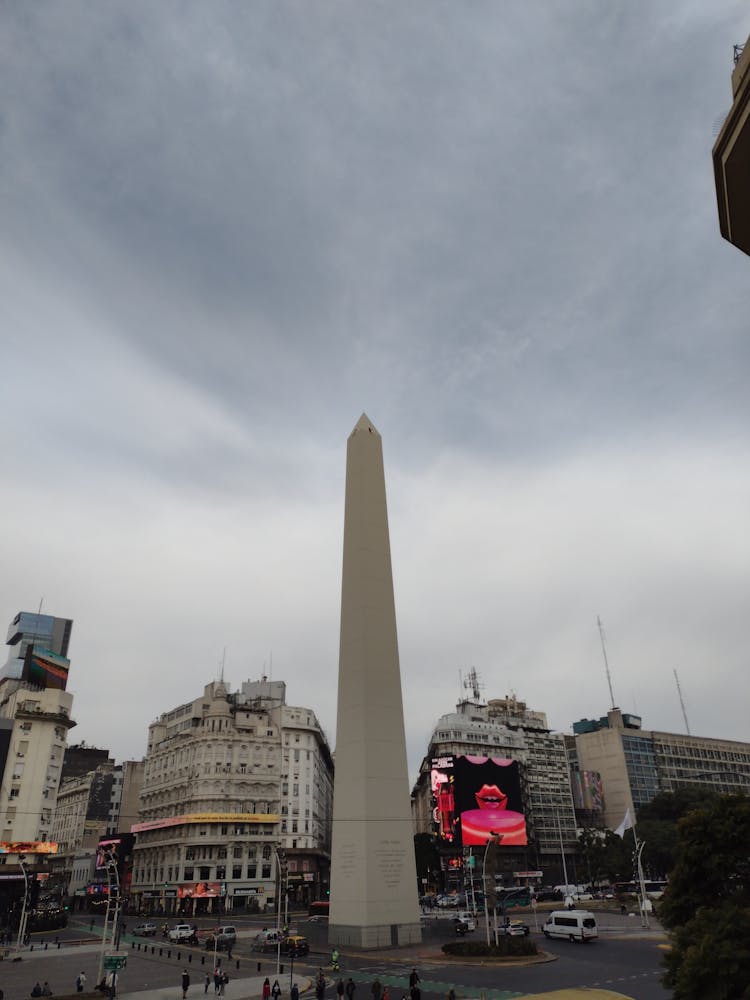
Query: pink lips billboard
{"x": 478, "y": 798}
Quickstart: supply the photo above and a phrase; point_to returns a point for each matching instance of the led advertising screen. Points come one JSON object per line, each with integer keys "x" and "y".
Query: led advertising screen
{"x": 475, "y": 798}
{"x": 45, "y": 669}
{"x": 588, "y": 792}
{"x": 201, "y": 890}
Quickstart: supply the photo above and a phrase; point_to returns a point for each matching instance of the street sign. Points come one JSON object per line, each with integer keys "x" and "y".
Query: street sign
{"x": 115, "y": 960}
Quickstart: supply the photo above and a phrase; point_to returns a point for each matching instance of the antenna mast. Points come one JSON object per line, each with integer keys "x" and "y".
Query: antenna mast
{"x": 473, "y": 684}
{"x": 682, "y": 703}
{"x": 606, "y": 661}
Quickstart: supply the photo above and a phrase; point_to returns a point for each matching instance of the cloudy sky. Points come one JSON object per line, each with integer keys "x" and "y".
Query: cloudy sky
{"x": 230, "y": 228}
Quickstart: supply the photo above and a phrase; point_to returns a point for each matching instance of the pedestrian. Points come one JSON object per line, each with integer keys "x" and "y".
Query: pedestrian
{"x": 349, "y": 988}
{"x": 80, "y": 982}
{"x": 185, "y": 983}
{"x": 414, "y": 979}
{"x": 217, "y": 979}
{"x": 340, "y": 988}
{"x": 294, "y": 993}
{"x": 266, "y": 992}
{"x": 320, "y": 985}
{"x": 275, "y": 990}
{"x": 451, "y": 994}
{"x": 223, "y": 983}
{"x": 46, "y": 990}
{"x": 376, "y": 989}
{"x": 36, "y": 990}
{"x": 386, "y": 993}
{"x": 91, "y": 924}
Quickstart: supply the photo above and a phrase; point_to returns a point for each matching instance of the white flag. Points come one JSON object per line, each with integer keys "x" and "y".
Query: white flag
{"x": 626, "y": 824}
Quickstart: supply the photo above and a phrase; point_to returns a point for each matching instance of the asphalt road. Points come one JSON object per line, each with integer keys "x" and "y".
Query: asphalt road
{"x": 620, "y": 960}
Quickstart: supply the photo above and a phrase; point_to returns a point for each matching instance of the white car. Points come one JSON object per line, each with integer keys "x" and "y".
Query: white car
{"x": 465, "y": 918}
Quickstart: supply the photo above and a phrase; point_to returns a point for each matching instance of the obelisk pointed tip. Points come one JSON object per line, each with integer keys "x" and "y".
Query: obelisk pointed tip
{"x": 364, "y": 424}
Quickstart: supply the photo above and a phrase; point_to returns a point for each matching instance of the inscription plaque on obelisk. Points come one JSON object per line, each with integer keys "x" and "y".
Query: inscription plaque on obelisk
{"x": 374, "y": 900}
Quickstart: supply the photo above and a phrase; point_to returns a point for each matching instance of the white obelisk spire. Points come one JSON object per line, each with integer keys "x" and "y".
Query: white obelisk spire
{"x": 374, "y": 899}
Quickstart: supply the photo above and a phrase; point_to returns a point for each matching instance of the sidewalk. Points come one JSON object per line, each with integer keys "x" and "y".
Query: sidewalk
{"x": 249, "y": 988}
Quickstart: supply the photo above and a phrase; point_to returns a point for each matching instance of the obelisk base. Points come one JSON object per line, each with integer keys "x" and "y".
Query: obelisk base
{"x": 382, "y": 936}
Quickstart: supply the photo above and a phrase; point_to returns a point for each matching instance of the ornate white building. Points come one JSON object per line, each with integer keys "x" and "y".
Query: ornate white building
{"x": 229, "y": 780}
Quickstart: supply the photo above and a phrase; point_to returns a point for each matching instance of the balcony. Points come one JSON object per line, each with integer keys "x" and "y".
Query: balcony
{"x": 731, "y": 158}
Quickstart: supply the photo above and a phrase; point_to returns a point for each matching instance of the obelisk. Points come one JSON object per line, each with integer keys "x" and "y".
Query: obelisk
{"x": 374, "y": 900}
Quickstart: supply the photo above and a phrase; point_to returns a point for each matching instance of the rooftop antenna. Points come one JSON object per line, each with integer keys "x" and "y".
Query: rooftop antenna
{"x": 606, "y": 661}
{"x": 473, "y": 683}
{"x": 41, "y": 602}
{"x": 223, "y": 661}
{"x": 682, "y": 703}
{"x": 270, "y": 666}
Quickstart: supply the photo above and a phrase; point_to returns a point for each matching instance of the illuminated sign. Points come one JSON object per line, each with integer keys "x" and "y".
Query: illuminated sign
{"x": 28, "y": 847}
{"x": 476, "y": 798}
{"x": 45, "y": 668}
{"x": 160, "y": 824}
{"x": 199, "y": 890}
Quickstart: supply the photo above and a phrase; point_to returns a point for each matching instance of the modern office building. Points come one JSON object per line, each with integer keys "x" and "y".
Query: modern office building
{"x": 636, "y": 764}
{"x": 35, "y": 716}
{"x": 229, "y": 781}
{"x": 731, "y": 157}
{"x": 504, "y": 728}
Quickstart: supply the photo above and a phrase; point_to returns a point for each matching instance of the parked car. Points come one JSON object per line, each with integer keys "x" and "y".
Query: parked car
{"x": 295, "y": 945}
{"x": 267, "y": 941}
{"x": 513, "y": 928}
{"x": 221, "y": 938}
{"x": 182, "y": 934}
{"x": 145, "y": 930}
{"x": 464, "y": 919}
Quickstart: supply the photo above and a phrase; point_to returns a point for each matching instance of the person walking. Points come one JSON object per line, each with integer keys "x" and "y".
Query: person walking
{"x": 223, "y": 984}
{"x": 217, "y": 980}
{"x": 320, "y": 985}
{"x": 414, "y": 979}
{"x": 340, "y": 988}
{"x": 294, "y": 994}
{"x": 349, "y": 989}
{"x": 275, "y": 990}
{"x": 80, "y": 982}
{"x": 185, "y": 983}
{"x": 266, "y": 991}
{"x": 376, "y": 989}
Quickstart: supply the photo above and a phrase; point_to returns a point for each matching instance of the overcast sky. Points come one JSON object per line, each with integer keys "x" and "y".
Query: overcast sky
{"x": 228, "y": 229}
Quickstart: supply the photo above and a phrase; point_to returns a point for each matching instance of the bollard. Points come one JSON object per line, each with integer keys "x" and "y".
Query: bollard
{"x": 203, "y": 959}
{"x": 153, "y": 950}
{"x": 161, "y": 952}
{"x": 190, "y": 957}
{"x": 31, "y": 948}
{"x": 237, "y": 964}
{"x": 58, "y": 945}
{"x": 46, "y": 945}
{"x": 281, "y": 970}
{"x": 178, "y": 956}
{"x": 169, "y": 952}
{"x": 258, "y": 966}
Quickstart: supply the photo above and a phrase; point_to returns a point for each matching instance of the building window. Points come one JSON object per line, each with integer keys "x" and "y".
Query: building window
{"x": 266, "y": 871}
{"x": 236, "y": 871}
{"x": 251, "y": 870}
{"x": 204, "y": 873}
{"x": 221, "y": 872}
{"x": 189, "y": 875}
{"x": 237, "y": 852}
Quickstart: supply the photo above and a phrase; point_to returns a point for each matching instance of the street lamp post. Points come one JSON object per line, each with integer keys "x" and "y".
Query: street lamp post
{"x": 24, "y": 913}
{"x": 280, "y": 882}
{"x": 111, "y": 930}
{"x": 492, "y": 842}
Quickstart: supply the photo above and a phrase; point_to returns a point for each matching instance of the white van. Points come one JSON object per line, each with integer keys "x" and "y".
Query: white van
{"x": 576, "y": 925}
{"x": 465, "y": 917}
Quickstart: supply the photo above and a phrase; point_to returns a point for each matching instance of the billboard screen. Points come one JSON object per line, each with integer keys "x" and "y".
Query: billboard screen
{"x": 45, "y": 669}
{"x": 588, "y": 791}
{"x": 476, "y": 797}
{"x": 201, "y": 890}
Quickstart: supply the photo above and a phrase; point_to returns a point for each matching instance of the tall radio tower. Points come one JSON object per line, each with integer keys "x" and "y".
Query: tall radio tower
{"x": 606, "y": 661}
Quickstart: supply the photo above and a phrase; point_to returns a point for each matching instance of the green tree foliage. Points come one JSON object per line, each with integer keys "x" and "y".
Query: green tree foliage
{"x": 605, "y": 856}
{"x": 426, "y": 854}
{"x": 657, "y": 825}
{"x": 707, "y": 903}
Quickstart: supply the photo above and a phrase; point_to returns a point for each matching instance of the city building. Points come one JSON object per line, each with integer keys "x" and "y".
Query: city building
{"x": 79, "y": 820}
{"x": 127, "y": 781}
{"x": 635, "y": 764}
{"x": 731, "y": 157}
{"x": 35, "y": 716}
{"x": 233, "y": 783}
{"x": 504, "y": 728}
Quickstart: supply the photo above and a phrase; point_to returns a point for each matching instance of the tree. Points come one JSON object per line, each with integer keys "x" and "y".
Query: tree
{"x": 426, "y": 855}
{"x": 706, "y": 905}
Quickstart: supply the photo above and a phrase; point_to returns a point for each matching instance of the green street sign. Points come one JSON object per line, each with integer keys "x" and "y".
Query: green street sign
{"x": 115, "y": 960}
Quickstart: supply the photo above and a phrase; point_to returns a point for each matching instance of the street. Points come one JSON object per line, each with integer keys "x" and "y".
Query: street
{"x": 622, "y": 960}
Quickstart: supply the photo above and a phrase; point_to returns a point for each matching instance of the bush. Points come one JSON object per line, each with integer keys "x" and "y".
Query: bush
{"x": 507, "y": 948}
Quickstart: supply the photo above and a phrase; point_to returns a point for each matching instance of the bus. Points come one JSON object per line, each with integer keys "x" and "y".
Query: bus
{"x": 320, "y": 908}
